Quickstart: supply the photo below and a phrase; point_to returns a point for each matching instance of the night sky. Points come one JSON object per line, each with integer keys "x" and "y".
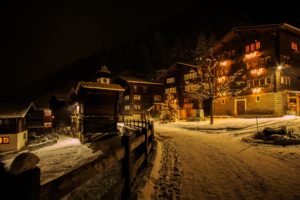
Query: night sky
{"x": 39, "y": 38}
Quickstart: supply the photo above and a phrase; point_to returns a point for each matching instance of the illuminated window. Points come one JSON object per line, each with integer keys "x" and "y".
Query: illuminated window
{"x": 4, "y": 140}
{"x": 190, "y": 75}
{"x": 186, "y": 88}
{"x": 167, "y": 91}
{"x": 135, "y": 87}
{"x": 137, "y": 107}
{"x": 288, "y": 81}
{"x": 127, "y": 107}
{"x": 294, "y": 46}
{"x": 157, "y": 98}
{"x": 137, "y": 97}
{"x": 172, "y": 90}
{"x": 171, "y": 80}
{"x": 257, "y": 99}
{"x": 252, "y": 47}
{"x": 247, "y": 49}
{"x": 126, "y": 97}
{"x": 257, "y": 44}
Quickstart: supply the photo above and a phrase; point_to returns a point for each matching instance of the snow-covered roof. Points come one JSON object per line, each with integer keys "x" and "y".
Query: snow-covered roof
{"x": 99, "y": 86}
{"x": 138, "y": 80}
{"x": 176, "y": 65}
{"x": 14, "y": 110}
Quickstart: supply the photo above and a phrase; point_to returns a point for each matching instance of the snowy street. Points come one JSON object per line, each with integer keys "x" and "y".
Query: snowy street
{"x": 205, "y": 164}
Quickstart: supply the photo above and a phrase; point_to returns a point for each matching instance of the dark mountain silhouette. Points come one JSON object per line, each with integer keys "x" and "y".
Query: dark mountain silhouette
{"x": 173, "y": 39}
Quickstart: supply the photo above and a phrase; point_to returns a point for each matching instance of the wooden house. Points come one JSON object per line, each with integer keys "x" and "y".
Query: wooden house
{"x": 270, "y": 58}
{"x": 62, "y": 105}
{"x": 13, "y": 125}
{"x": 97, "y": 105}
{"x": 142, "y": 98}
{"x": 176, "y": 80}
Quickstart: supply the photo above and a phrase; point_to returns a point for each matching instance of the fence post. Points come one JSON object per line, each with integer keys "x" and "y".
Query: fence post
{"x": 144, "y": 132}
{"x": 152, "y": 132}
{"x": 28, "y": 184}
{"x": 127, "y": 166}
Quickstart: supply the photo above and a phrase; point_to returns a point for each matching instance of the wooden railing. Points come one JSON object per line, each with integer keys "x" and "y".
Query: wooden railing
{"x": 133, "y": 155}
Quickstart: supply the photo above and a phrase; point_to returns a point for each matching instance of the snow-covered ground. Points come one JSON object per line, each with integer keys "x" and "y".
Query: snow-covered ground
{"x": 202, "y": 161}
{"x": 60, "y": 158}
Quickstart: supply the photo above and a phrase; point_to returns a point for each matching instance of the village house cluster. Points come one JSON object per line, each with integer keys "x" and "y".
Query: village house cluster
{"x": 269, "y": 56}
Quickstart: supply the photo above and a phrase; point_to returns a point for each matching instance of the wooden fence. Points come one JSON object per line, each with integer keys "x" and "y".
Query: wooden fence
{"x": 133, "y": 155}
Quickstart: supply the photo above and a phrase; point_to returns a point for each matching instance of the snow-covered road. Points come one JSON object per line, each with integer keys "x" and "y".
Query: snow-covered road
{"x": 198, "y": 165}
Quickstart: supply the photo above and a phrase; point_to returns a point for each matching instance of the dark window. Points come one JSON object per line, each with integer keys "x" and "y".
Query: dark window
{"x": 258, "y": 99}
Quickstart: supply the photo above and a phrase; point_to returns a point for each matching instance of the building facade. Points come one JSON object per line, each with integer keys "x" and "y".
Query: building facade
{"x": 176, "y": 84}
{"x": 13, "y": 126}
{"x": 142, "y": 98}
{"x": 96, "y": 108}
{"x": 270, "y": 58}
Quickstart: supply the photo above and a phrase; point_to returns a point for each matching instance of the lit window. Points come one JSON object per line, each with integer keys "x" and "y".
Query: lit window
{"x": 247, "y": 49}
{"x": 257, "y": 44}
{"x": 257, "y": 99}
{"x": 137, "y": 107}
{"x": 167, "y": 91}
{"x": 173, "y": 90}
{"x": 294, "y": 46}
{"x": 252, "y": 47}
{"x": 127, "y": 107}
{"x": 282, "y": 80}
{"x": 288, "y": 81}
{"x": 186, "y": 88}
{"x": 126, "y": 98}
{"x": 137, "y": 97}
{"x": 135, "y": 87}
{"x": 171, "y": 80}
{"x": 4, "y": 140}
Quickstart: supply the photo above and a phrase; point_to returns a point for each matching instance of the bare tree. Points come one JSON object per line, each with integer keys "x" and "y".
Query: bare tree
{"x": 209, "y": 86}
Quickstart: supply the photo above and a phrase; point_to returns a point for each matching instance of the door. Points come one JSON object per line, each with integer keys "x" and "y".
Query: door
{"x": 240, "y": 107}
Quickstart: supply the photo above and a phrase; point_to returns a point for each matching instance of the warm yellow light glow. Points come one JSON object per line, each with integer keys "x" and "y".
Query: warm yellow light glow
{"x": 221, "y": 79}
{"x": 257, "y": 71}
{"x": 256, "y": 90}
{"x": 251, "y": 55}
{"x": 279, "y": 67}
{"x": 224, "y": 63}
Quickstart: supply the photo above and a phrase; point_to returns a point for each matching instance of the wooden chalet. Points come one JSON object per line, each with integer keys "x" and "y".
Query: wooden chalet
{"x": 13, "y": 125}
{"x": 63, "y": 107}
{"x": 97, "y": 106}
{"x": 142, "y": 98}
{"x": 270, "y": 58}
{"x": 175, "y": 81}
